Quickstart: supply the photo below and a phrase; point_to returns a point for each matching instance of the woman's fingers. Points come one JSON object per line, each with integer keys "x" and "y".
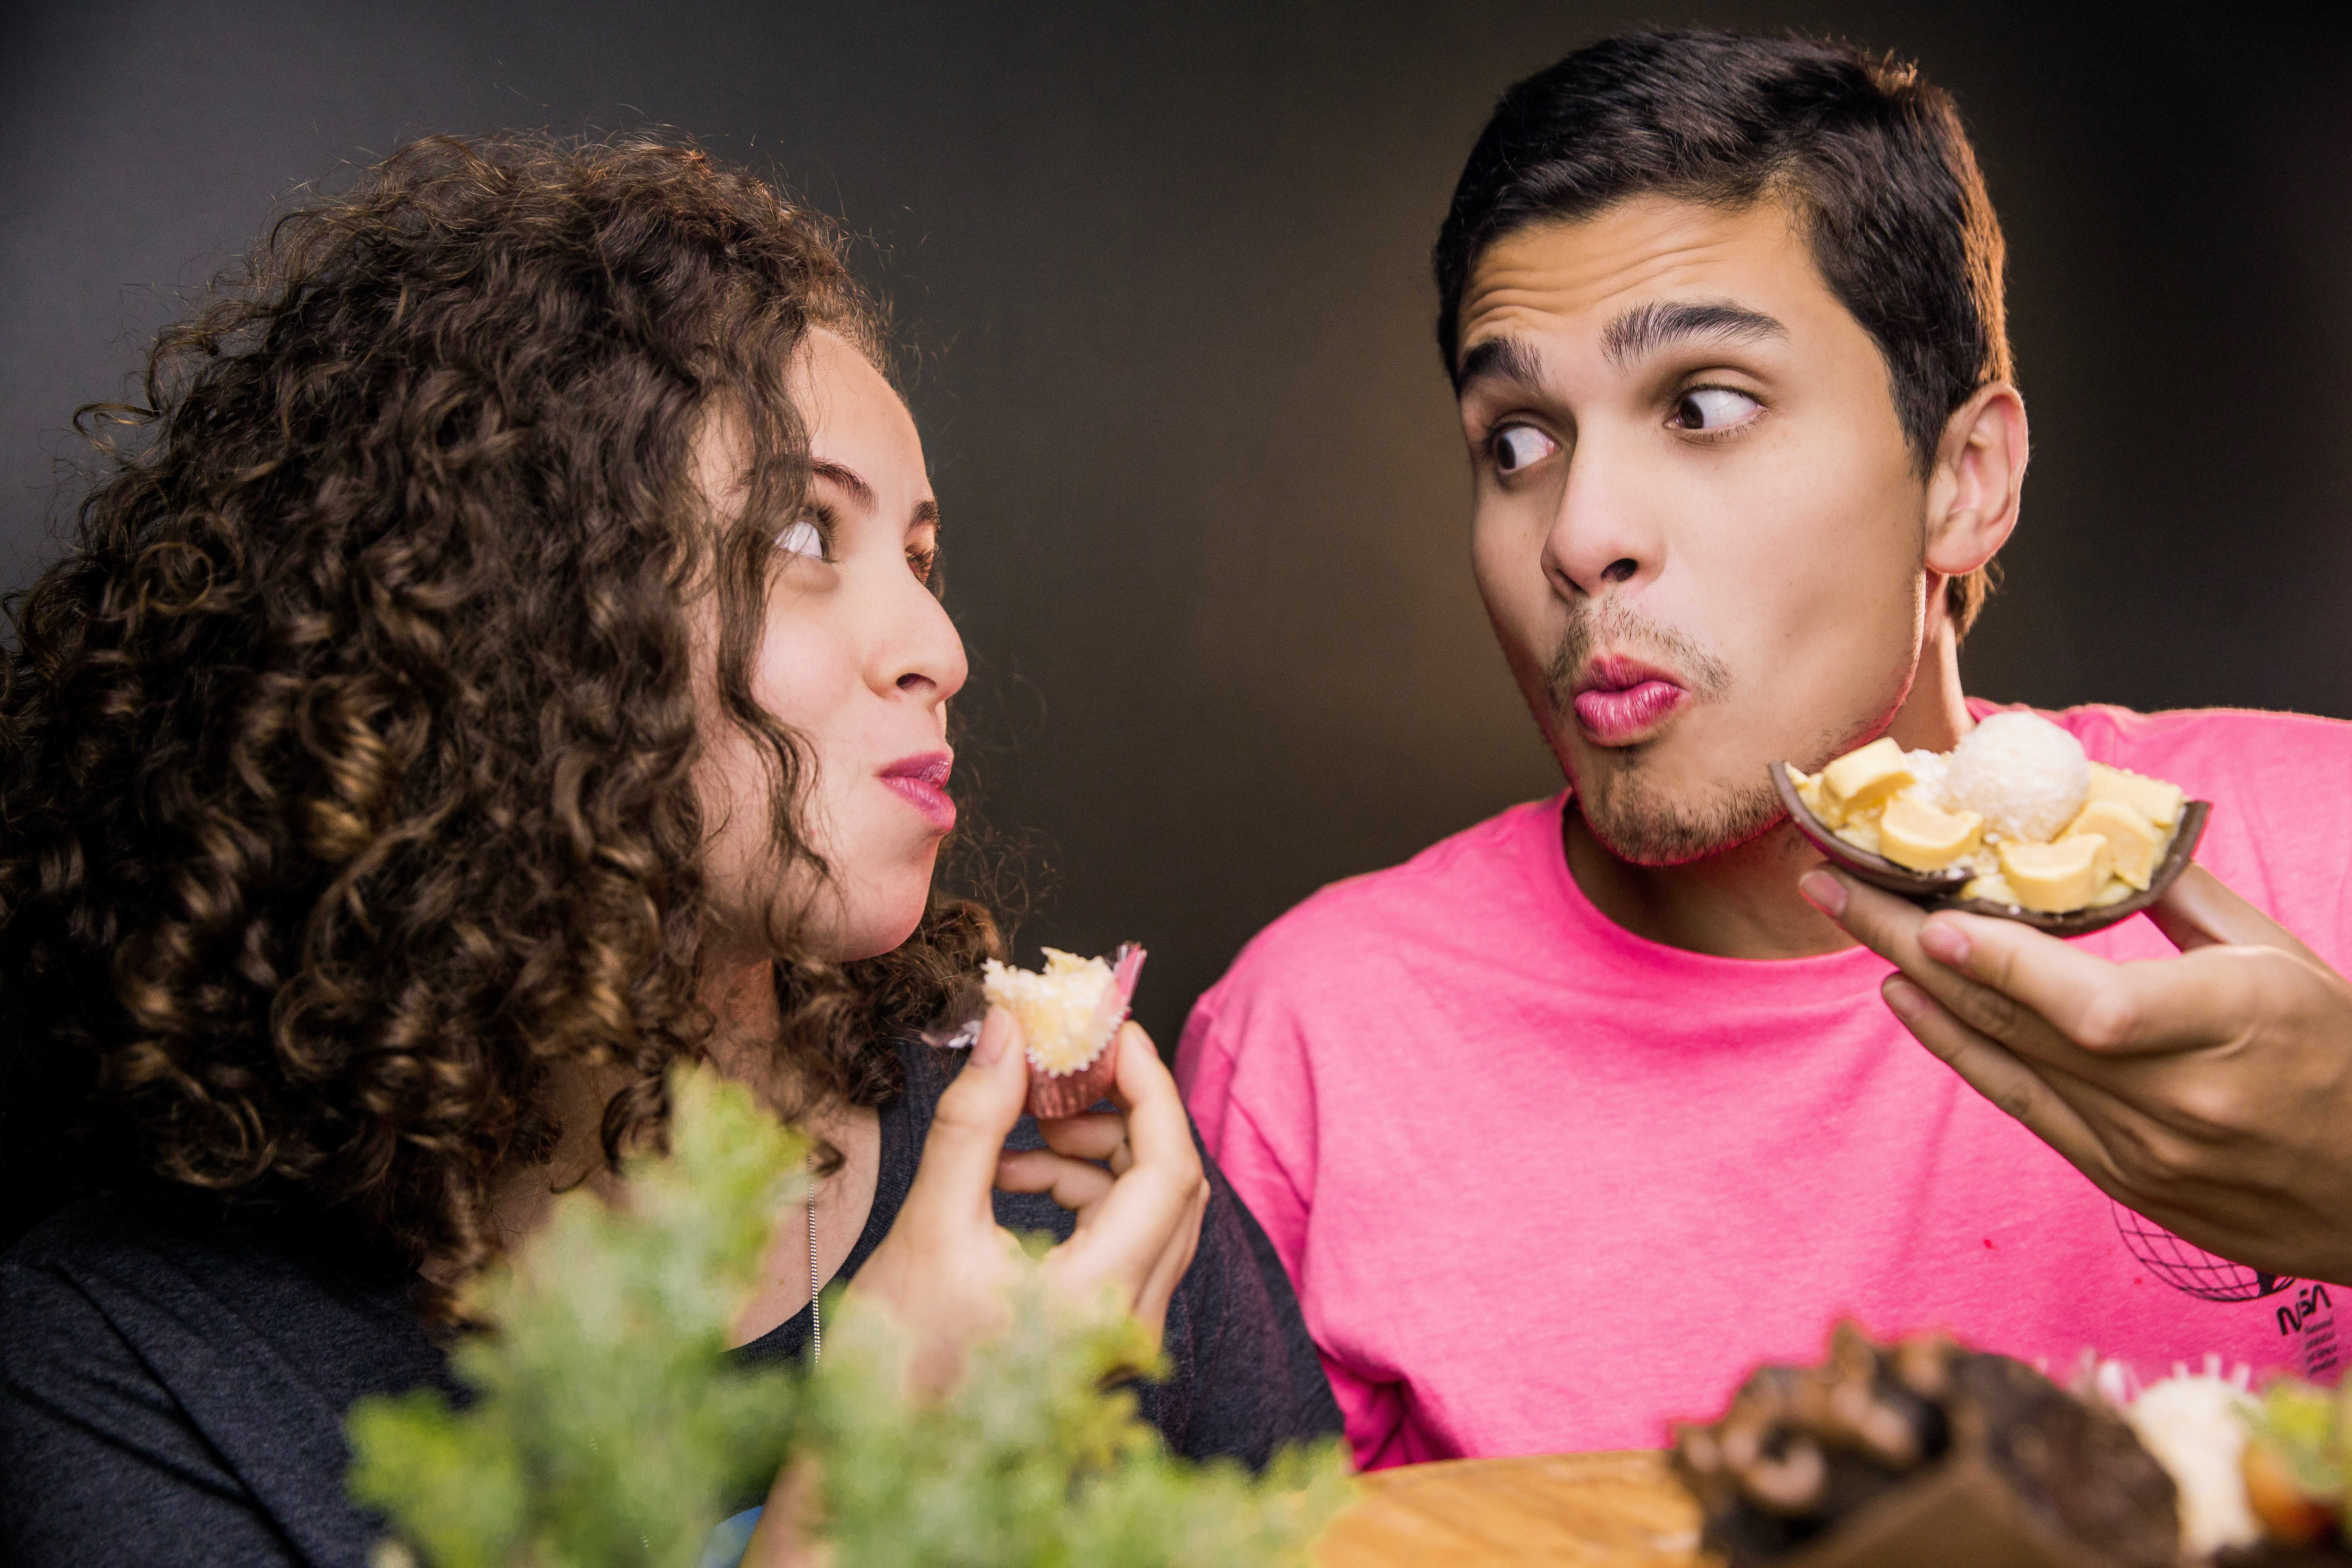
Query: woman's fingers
{"x": 970, "y": 1125}
{"x": 787, "y": 1533}
{"x": 1154, "y": 1203}
{"x": 1157, "y": 1128}
{"x": 1168, "y": 1272}
{"x": 1099, "y": 1135}
{"x": 1075, "y": 1185}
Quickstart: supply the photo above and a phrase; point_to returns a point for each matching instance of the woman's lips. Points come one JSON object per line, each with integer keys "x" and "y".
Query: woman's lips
{"x": 1621, "y": 704}
{"x": 922, "y": 783}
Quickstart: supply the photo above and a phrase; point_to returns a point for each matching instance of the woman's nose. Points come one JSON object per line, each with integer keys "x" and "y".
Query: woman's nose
{"x": 924, "y": 658}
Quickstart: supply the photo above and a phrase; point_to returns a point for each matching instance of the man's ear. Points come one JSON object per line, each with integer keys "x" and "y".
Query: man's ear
{"x": 1977, "y": 481}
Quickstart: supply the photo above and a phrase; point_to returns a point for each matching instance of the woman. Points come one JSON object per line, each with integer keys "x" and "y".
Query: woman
{"x": 511, "y": 665}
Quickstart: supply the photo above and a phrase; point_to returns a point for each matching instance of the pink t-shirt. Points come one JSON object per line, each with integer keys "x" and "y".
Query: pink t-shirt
{"x": 1546, "y": 1185}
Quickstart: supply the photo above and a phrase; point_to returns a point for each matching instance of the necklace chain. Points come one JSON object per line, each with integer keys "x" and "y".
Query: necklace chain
{"x": 816, "y": 1309}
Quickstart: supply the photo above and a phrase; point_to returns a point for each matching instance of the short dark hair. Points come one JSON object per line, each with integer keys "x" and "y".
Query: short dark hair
{"x": 1869, "y": 153}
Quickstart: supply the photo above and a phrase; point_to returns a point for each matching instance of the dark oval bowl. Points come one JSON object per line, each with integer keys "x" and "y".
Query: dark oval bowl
{"x": 1940, "y": 889}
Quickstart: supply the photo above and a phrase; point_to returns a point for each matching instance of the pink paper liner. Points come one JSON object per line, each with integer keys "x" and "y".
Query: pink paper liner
{"x": 1069, "y": 1093}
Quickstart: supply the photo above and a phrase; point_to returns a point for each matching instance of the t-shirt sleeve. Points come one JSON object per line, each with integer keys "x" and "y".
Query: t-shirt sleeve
{"x": 1247, "y": 1079}
{"x": 102, "y": 1464}
{"x": 1258, "y": 1383}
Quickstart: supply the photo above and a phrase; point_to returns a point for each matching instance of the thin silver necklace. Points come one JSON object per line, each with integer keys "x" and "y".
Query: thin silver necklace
{"x": 817, "y": 1311}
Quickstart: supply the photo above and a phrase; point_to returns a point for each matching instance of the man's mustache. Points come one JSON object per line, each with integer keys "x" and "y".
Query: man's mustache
{"x": 1609, "y": 623}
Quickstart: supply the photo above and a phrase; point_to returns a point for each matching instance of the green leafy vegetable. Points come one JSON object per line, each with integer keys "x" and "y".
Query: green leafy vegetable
{"x": 2298, "y": 1422}
{"x": 609, "y": 1427}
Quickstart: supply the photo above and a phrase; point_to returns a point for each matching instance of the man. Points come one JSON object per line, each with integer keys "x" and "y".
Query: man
{"x": 1564, "y": 1124}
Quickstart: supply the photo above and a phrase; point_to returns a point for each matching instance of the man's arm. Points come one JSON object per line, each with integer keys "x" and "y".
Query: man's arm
{"x": 1253, "y": 1103}
{"x": 2211, "y": 1092}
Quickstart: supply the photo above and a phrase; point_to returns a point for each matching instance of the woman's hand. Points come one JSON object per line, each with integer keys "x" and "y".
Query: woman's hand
{"x": 1138, "y": 1218}
{"x": 941, "y": 1271}
{"x": 2211, "y": 1091}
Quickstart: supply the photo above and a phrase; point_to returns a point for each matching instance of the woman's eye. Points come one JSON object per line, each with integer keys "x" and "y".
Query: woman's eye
{"x": 803, "y": 538}
{"x": 1516, "y": 446}
{"x": 1712, "y": 408}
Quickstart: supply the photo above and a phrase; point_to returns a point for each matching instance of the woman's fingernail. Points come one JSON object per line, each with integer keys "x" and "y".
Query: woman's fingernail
{"x": 1947, "y": 944}
{"x": 995, "y": 1030}
{"x": 1824, "y": 892}
{"x": 1906, "y": 1000}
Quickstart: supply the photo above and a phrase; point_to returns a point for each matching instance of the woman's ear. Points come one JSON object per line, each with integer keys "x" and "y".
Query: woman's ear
{"x": 1977, "y": 481}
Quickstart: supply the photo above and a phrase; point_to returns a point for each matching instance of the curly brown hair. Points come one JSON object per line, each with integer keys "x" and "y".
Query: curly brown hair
{"x": 345, "y": 756}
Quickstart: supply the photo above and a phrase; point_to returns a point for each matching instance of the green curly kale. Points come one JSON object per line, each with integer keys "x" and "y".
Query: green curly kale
{"x": 1031, "y": 1462}
{"x": 609, "y": 1427}
{"x": 2300, "y": 1424}
{"x": 606, "y": 1427}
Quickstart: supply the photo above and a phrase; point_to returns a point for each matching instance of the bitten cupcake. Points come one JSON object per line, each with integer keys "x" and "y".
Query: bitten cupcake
{"x": 1069, "y": 1012}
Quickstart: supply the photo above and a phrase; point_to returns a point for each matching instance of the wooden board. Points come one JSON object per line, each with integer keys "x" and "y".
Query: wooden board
{"x": 1574, "y": 1511}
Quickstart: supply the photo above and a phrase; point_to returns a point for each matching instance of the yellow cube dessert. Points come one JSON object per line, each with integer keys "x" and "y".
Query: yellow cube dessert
{"x": 1861, "y": 779}
{"x": 2132, "y": 838}
{"x": 1925, "y": 837}
{"x": 2054, "y": 878}
{"x": 2153, "y": 798}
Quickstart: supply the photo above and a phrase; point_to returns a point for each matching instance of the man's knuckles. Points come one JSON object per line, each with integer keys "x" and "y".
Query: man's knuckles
{"x": 1985, "y": 1010}
{"x": 2108, "y": 1019}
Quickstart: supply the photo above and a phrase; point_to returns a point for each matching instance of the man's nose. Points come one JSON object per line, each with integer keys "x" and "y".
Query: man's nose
{"x": 1603, "y": 534}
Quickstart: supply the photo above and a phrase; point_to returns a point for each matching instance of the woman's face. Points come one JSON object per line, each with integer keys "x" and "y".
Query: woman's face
{"x": 858, "y": 659}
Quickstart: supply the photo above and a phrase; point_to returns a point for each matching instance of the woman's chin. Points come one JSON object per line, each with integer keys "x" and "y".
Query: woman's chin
{"x": 871, "y": 931}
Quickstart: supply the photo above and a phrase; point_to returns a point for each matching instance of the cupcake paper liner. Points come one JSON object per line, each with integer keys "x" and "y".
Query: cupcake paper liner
{"x": 1067, "y": 1094}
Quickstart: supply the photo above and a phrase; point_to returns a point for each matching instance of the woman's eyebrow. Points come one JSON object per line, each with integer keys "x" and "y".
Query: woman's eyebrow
{"x": 847, "y": 478}
{"x": 926, "y": 512}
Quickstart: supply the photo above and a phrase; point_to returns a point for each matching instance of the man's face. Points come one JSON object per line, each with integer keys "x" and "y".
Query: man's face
{"x": 1699, "y": 529}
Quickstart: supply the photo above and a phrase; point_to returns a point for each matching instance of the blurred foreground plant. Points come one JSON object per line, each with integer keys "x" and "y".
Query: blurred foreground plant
{"x": 610, "y": 1427}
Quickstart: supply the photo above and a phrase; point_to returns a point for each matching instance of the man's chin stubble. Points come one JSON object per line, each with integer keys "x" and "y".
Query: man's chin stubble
{"x": 1639, "y": 824}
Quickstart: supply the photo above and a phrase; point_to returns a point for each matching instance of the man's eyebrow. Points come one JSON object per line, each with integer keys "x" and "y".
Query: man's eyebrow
{"x": 1500, "y": 359}
{"x": 927, "y": 513}
{"x": 1646, "y": 328}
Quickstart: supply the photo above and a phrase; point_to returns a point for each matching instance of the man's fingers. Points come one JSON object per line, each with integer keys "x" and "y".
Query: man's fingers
{"x": 2201, "y": 998}
{"x": 972, "y": 1119}
{"x": 2199, "y": 910}
{"x": 1900, "y": 931}
{"x": 2003, "y": 1078}
{"x": 1091, "y": 1135}
{"x": 2085, "y": 999}
{"x": 1075, "y": 1185}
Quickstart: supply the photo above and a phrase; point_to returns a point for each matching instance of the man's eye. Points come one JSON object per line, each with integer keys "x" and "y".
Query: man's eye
{"x": 1712, "y": 408}
{"x": 1516, "y": 446}
{"x": 803, "y": 538}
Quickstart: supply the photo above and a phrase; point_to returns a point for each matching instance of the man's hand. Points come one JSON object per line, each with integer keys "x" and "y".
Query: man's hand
{"x": 941, "y": 1271}
{"x": 2211, "y": 1092}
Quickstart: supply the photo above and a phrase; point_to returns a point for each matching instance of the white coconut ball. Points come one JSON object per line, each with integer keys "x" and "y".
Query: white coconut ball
{"x": 1927, "y": 771}
{"x": 2196, "y": 1428}
{"x": 2024, "y": 775}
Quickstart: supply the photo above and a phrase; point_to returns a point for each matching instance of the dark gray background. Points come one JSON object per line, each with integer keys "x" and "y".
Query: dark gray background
{"x": 1164, "y": 277}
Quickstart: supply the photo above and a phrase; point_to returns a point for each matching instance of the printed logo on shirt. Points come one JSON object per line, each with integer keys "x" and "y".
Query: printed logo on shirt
{"x": 2310, "y": 1319}
{"x": 2307, "y": 1320}
{"x": 2192, "y": 1269}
